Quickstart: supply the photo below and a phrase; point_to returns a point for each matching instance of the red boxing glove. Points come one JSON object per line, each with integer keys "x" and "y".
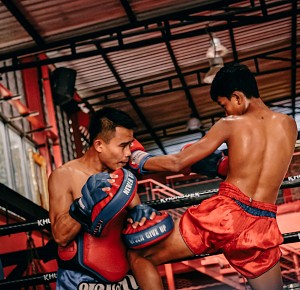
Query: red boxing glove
{"x": 136, "y": 145}
{"x": 138, "y": 157}
{"x": 215, "y": 164}
{"x": 222, "y": 167}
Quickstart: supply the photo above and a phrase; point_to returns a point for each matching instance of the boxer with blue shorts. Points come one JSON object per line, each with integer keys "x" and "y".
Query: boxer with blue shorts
{"x": 89, "y": 199}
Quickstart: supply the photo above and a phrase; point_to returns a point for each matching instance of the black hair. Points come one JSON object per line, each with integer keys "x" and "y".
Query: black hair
{"x": 105, "y": 122}
{"x": 234, "y": 77}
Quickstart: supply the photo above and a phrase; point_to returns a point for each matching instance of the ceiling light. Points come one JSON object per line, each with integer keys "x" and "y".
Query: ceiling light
{"x": 215, "y": 65}
{"x": 215, "y": 54}
{"x": 194, "y": 124}
{"x": 216, "y": 49}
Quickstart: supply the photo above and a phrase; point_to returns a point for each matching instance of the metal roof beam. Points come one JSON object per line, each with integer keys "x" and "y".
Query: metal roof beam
{"x": 208, "y": 117}
{"x": 142, "y": 95}
{"x": 153, "y": 82}
{"x": 286, "y": 107}
{"x": 23, "y": 21}
{"x": 67, "y": 42}
{"x": 187, "y": 92}
{"x": 287, "y": 97}
{"x": 75, "y": 55}
{"x": 264, "y": 9}
{"x": 145, "y": 95}
{"x": 110, "y": 31}
{"x": 232, "y": 40}
{"x": 130, "y": 14}
{"x": 294, "y": 55}
{"x": 231, "y": 12}
{"x": 277, "y": 58}
{"x": 131, "y": 99}
{"x": 147, "y": 42}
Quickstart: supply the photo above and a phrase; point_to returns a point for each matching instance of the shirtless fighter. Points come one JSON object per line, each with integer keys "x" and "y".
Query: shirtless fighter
{"x": 241, "y": 219}
{"x": 90, "y": 198}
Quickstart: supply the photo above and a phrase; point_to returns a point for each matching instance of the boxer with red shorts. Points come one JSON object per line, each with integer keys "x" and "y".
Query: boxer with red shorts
{"x": 245, "y": 230}
{"x": 240, "y": 220}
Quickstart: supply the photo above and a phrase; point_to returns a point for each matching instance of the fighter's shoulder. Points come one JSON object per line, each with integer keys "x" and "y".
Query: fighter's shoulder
{"x": 288, "y": 118}
{"x": 229, "y": 120}
{"x": 225, "y": 127}
{"x": 290, "y": 125}
{"x": 64, "y": 170}
{"x": 285, "y": 118}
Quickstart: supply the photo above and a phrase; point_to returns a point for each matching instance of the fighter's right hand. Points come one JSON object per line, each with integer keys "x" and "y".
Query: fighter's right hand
{"x": 138, "y": 157}
{"x": 92, "y": 193}
{"x": 215, "y": 164}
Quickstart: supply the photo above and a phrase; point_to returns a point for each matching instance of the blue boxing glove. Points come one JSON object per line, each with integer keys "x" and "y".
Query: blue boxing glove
{"x": 92, "y": 193}
{"x": 140, "y": 211}
{"x": 138, "y": 157}
{"x": 96, "y": 208}
{"x": 151, "y": 232}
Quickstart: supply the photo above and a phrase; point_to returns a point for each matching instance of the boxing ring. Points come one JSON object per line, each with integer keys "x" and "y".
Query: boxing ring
{"x": 160, "y": 197}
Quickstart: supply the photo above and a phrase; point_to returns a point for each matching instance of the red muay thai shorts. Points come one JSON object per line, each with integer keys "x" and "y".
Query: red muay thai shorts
{"x": 245, "y": 230}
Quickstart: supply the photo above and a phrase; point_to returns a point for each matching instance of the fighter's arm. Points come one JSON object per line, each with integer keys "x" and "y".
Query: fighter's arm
{"x": 217, "y": 135}
{"x": 64, "y": 227}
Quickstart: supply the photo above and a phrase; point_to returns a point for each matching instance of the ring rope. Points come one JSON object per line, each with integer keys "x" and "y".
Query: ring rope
{"x": 159, "y": 204}
{"x": 28, "y": 281}
{"x": 197, "y": 197}
{"x": 51, "y": 276}
{"x": 165, "y": 203}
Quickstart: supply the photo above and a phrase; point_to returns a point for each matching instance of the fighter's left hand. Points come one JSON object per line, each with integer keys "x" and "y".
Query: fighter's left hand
{"x": 139, "y": 214}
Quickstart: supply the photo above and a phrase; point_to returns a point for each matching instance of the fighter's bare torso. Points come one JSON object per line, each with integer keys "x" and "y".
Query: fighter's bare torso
{"x": 259, "y": 173}
{"x": 260, "y": 143}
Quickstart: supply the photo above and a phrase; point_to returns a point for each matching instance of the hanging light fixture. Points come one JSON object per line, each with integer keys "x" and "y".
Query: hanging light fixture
{"x": 216, "y": 49}
{"x": 215, "y": 64}
{"x": 193, "y": 123}
{"x": 215, "y": 54}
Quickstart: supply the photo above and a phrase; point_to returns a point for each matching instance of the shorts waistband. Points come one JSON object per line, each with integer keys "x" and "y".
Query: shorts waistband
{"x": 255, "y": 211}
{"x": 230, "y": 190}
